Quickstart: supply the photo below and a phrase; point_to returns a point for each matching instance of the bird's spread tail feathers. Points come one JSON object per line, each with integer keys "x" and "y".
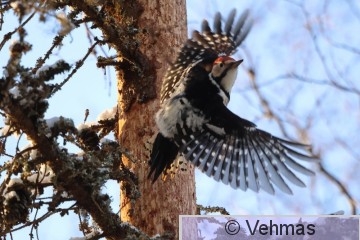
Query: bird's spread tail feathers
{"x": 163, "y": 154}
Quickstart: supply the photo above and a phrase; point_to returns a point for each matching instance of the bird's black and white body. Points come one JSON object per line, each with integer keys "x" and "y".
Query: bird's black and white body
{"x": 194, "y": 121}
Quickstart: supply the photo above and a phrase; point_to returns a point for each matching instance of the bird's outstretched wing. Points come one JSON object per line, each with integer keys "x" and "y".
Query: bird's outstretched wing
{"x": 232, "y": 150}
{"x": 206, "y": 47}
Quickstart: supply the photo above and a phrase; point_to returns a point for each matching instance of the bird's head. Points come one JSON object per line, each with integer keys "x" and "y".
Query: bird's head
{"x": 224, "y": 72}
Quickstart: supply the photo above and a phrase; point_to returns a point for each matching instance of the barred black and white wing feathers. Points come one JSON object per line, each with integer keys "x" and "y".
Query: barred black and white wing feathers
{"x": 244, "y": 156}
{"x": 206, "y": 47}
{"x": 224, "y": 42}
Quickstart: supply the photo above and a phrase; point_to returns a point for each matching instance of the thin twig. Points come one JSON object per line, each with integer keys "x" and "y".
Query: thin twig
{"x": 8, "y": 36}
{"x": 77, "y": 66}
{"x": 341, "y": 186}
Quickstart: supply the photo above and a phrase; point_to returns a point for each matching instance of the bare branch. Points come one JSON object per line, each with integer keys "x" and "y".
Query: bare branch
{"x": 8, "y": 36}
{"x": 353, "y": 203}
{"x": 77, "y": 66}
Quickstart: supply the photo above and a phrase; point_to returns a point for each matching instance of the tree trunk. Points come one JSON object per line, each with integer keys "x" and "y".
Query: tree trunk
{"x": 163, "y": 24}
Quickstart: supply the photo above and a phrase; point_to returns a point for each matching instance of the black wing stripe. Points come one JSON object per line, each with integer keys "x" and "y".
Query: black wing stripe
{"x": 244, "y": 32}
{"x": 299, "y": 168}
{"x": 279, "y": 160}
{"x": 240, "y": 23}
{"x": 189, "y": 149}
{"x": 263, "y": 174}
{"x": 200, "y": 145}
{"x": 245, "y": 170}
{"x": 277, "y": 150}
{"x": 282, "y": 156}
{"x": 220, "y": 162}
{"x": 213, "y": 156}
{"x": 205, "y": 28}
{"x": 298, "y": 155}
{"x": 237, "y": 165}
{"x": 204, "y": 143}
{"x": 204, "y": 163}
{"x": 236, "y": 162}
{"x": 291, "y": 143}
{"x": 217, "y": 23}
{"x": 273, "y": 171}
{"x": 205, "y": 152}
{"x": 252, "y": 180}
{"x": 229, "y": 174}
{"x": 284, "y": 144}
{"x": 224, "y": 162}
{"x": 230, "y": 22}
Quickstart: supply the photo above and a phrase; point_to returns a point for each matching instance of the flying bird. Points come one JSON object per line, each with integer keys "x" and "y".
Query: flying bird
{"x": 195, "y": 123}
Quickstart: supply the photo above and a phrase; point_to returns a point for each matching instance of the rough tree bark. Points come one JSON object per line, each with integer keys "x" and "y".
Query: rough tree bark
{"x": 163, "y": 25}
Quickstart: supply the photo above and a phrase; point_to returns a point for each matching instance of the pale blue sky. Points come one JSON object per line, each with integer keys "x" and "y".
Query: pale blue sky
{"x": 278, "y": 44}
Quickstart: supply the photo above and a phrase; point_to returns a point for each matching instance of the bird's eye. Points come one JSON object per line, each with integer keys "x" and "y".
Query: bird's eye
{"x": 221, "y": 65}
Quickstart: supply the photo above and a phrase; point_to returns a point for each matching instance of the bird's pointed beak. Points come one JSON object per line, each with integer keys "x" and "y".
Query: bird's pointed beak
{"x": 236, "y": 63}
